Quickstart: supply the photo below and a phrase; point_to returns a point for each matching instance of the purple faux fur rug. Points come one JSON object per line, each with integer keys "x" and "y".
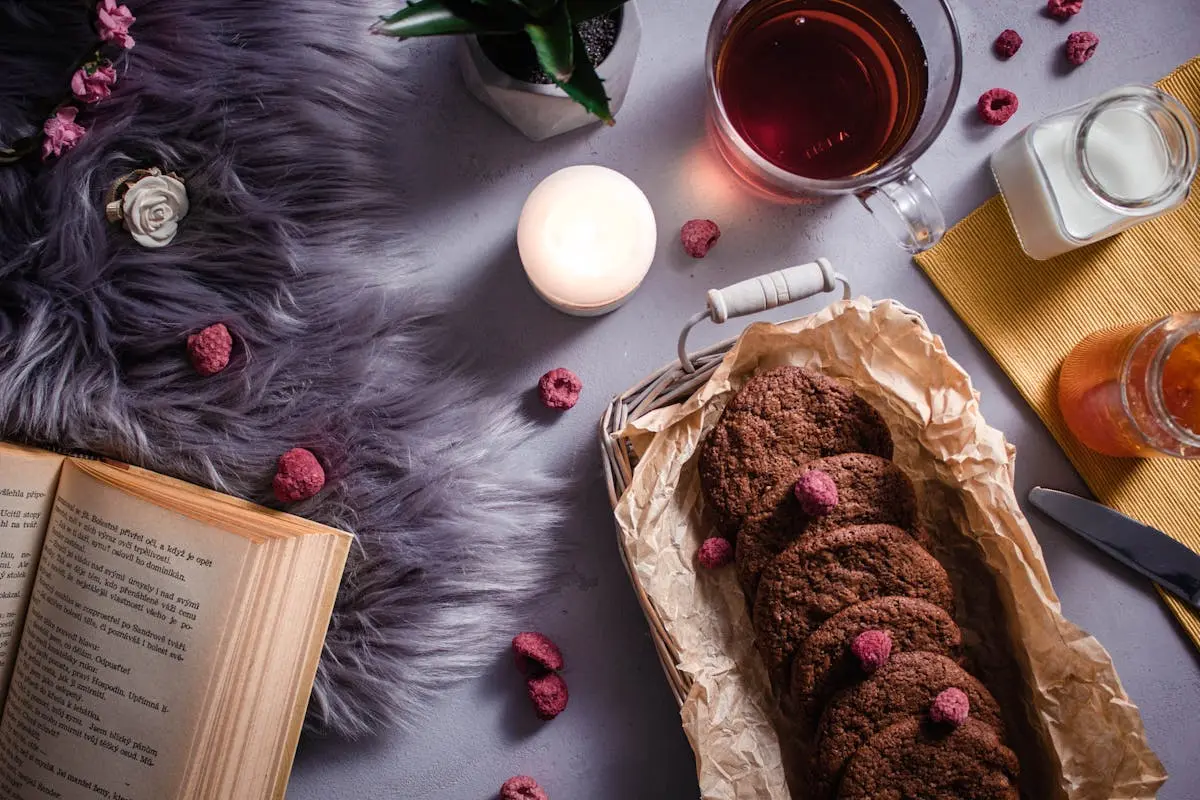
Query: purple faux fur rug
{"x": 277, "y": 113}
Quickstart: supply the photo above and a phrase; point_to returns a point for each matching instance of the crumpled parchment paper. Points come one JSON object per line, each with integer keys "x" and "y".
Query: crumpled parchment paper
{"x": 1074, "y": 728}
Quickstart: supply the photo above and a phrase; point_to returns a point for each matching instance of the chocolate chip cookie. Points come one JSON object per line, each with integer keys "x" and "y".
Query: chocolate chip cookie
{"x": 904, "y": 687}
{"x": 825, "y": 664}
{"x": 778, "y": 421}
{"x": 919, "y": 759}
{"x": 869, "y": 489}
{"x": 817, "y": 576}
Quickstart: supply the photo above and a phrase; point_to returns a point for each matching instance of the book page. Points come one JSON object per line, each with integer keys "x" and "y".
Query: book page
{"x": 27, "y": 482}
{"x": 120, "y": 642}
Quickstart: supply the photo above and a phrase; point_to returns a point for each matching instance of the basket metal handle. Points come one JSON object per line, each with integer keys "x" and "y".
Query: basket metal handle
{"x": 764, "y": 292}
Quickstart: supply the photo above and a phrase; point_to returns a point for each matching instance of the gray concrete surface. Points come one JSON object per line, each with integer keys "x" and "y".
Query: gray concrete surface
{"x": 621, "y": 738}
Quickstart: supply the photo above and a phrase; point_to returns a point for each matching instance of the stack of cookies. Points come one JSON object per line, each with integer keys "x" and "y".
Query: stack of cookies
{"x": 853, "y": 617}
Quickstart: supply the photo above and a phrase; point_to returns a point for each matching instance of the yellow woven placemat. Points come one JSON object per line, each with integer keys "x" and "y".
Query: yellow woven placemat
{"x": 1029, "y": 314}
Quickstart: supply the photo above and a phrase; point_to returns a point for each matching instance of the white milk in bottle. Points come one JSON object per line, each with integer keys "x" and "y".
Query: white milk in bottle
{"x": 1095, "y": 169}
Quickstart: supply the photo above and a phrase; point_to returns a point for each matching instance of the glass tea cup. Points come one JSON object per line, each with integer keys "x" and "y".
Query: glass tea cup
{"x": 850, "y": 109}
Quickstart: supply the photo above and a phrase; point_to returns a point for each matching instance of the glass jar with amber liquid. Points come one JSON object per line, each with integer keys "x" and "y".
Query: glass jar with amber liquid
{"x": 1134, "y": 390}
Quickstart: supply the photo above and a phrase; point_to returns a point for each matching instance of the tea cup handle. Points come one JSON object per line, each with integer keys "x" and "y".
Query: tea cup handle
{"x": 907, "y": 208}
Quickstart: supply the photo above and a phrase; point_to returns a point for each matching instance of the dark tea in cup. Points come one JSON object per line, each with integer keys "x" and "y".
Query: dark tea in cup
{"x": 823, "y": 89}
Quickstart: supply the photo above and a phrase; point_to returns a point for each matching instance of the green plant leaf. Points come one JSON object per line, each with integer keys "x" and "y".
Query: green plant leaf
{"x": 423, "y": 18}
{"x": 554, "y": 41}
{"x": 585, "y": 86}
{"x": 583, "y": 10}
{"x": 449, "y": 17}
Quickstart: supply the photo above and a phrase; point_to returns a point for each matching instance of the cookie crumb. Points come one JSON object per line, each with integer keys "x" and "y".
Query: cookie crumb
{"x": 1007, "y": 43}
{"x": 872, "y": 649}
{"x": 559, "y": 389}
{"x": 715, "y": 553}
{"x": 997, "y": 106}
{"x": 1063, "y": 9}
{"x": 817, "y": 493}
{"x": 522, "y": 787}
{"x": 698, "y": 236}
{"x": 950, "y": 707}
{"x": 549, "y": 695}
{"x": 536, "y": 653}
{"x": 298, "y": 476}
{"x": 1081, "y": 46}
{"x": 209, "y": 349}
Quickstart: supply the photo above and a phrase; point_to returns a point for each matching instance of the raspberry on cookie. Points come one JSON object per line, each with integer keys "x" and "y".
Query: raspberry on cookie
{"x": 780, "y": 420}
{"x": 904, "y": 688}
{"x": 826, "y": 662}
{"x": 818, "y": 576}
{"x": 828, "y": 493}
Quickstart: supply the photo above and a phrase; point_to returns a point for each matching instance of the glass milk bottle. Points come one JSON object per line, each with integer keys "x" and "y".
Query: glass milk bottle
{"x": 1097, "y": 168}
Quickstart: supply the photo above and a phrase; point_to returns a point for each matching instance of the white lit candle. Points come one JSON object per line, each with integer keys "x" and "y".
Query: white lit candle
{"x": 587, "y": 238}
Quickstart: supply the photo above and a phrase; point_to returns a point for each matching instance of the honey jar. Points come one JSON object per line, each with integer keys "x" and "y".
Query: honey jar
{"x": 1134, "y": 390}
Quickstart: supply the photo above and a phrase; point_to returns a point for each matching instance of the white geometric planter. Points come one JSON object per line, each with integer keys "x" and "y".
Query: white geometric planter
{"x": 541, "y": 110}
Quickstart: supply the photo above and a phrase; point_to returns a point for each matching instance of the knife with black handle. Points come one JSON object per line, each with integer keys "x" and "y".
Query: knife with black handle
{"x": 1140, "y": 547}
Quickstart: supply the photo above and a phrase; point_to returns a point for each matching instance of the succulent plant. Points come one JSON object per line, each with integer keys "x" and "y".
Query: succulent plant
{"x": 550, "y": 26}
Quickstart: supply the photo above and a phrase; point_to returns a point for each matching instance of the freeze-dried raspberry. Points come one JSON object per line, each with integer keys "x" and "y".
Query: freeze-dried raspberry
{"x": 950, "y": 707}
{"x": 209, "y": 349}
{"x": 1007, "y": 43}
{"x": 1063, "y": 9}
{"x": 715, "y": 553}
{"x": 522, "y": 787}
{"x": 298, "y": 477}
{"x": 549, "y": 695}
{"x": 698, "y": 236}
{"x": 559, "y": 389}
{"x": 997, "y": 106}
{"x": 1081, "y": 45}
{"x": 816, "y": 492}
{"x": 872, "y": 649}
{"x": 535, "y": 652}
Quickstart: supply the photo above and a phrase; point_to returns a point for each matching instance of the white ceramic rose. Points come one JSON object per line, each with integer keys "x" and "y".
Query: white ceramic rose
{"x": 152, "y": 208}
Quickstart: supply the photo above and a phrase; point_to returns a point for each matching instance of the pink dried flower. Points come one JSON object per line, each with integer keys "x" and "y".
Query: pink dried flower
{"x": 698, "y": 236}
{"x": 92, "y": 87}
{"x": 872, "y": 649}
{"x": 113, "y": 23}
{"x": 522, "y": 787}
{"x": 715, "y": 553}
{"x": 1007, "y": 43}
{"x": 997, "y": 106}
{"x": 62, "y": 132}
{"x": 1064, "y": 9}
{"x": 1081, "y": 46}
{"x": 298, "y": 477}
{"x": 950, "y": 707}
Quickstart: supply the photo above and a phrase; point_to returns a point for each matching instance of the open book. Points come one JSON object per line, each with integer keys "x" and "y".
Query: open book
{"x": 157, "y": 640}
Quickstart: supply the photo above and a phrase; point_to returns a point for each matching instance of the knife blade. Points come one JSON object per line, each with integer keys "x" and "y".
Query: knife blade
{"x": 1144, "y": 549}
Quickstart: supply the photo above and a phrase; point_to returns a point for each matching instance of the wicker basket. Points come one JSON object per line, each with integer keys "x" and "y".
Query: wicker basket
{"x": 667, "y": 386}
{"x": 1066, "y": 678}
{"x": 674, "y": 384}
